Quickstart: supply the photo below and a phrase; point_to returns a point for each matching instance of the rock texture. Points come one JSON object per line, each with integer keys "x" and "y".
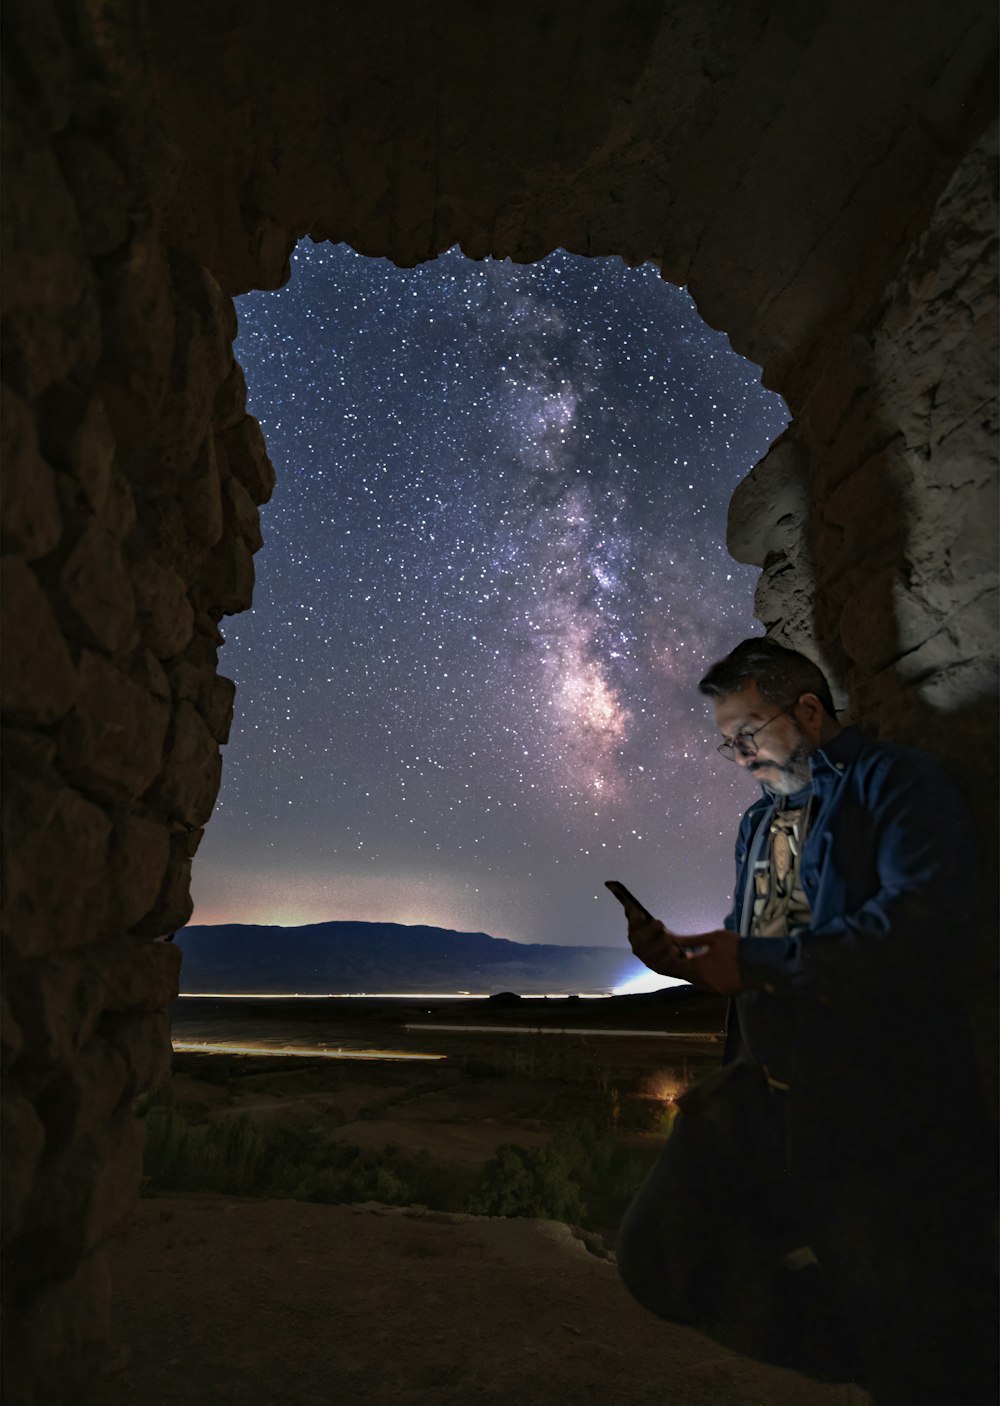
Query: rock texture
{"x": 229, "y": 1302}
{"x": 874, "y": 517}
{"x": 131, "y": 478}
{"x": 817, "y": 175}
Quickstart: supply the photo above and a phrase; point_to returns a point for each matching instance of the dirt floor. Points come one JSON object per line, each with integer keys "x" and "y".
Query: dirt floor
{"x": 224, "y": 1300}
{"x": 228, "y": 1300}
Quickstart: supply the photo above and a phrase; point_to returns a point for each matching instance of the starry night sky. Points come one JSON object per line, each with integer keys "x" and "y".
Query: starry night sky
{"x": 494, "y": 571}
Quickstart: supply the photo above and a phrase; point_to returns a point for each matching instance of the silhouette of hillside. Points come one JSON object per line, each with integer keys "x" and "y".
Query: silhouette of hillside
{"x": 336, "y": 957}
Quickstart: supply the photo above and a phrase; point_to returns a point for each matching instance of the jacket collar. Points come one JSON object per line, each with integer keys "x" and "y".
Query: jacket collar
{"x": 837, "y": 754}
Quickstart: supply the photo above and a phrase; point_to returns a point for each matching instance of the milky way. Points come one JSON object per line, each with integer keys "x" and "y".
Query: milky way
{"x": 494, "y": 571}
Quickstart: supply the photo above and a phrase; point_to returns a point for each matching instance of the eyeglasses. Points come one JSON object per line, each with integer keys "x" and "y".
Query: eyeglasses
{"x": 744, "y": 742}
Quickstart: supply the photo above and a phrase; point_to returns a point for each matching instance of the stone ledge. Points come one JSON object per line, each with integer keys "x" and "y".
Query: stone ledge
{"x": 224, "y": 1300}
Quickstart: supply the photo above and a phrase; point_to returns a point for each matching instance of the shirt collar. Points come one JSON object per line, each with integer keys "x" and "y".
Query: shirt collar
{"x": 793, "y": 802}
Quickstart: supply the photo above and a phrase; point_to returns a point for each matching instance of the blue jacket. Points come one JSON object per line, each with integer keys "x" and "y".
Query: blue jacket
{"x": 868, "y": 995}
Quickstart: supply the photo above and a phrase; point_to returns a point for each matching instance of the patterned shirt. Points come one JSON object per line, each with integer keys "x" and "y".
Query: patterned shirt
{"x": 780, "y": 906}
{"x": 780, "y": 909}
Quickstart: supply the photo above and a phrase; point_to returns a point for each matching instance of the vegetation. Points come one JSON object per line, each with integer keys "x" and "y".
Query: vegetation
{"x": 238, "y": 1157}
{"x": 528, "y": 1181}
{"x": 584, "y": 1176}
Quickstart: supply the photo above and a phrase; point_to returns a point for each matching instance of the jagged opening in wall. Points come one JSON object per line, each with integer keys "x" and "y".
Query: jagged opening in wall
{"x": 494, "y": 569}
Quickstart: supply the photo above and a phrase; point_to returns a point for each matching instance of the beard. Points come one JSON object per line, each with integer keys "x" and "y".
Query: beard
{"x": 789, "y": 776}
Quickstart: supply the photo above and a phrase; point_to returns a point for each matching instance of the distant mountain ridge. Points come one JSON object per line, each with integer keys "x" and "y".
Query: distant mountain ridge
{"x": 349, "y": 957}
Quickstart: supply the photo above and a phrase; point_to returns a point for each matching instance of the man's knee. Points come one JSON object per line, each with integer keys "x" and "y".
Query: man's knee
{"x": 646, "y": 1271}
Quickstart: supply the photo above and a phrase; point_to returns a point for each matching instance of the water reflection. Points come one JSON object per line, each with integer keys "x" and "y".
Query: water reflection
{"x": 231, "y": 1047}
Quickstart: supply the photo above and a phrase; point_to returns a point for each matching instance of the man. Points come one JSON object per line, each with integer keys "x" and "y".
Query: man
{"x": 823, "y": 1199}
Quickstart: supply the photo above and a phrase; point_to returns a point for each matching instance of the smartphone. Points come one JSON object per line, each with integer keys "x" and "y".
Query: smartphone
{"x": 627, "y": 900}
{"x": 631, "y": 904}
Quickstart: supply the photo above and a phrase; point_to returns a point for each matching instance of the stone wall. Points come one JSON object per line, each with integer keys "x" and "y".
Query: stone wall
{"x": 874, "y": 518}
{"x": 131, "y": 478}
{"x": 802, "y": 168}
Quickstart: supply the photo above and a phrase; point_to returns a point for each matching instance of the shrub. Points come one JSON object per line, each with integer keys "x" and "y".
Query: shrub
{"x": 584, "y": 1177}
{"x": 528, "y": 1181}
{"x": 238, "y": 1157}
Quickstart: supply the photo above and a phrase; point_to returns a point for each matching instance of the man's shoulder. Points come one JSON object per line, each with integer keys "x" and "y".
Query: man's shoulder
{"x": 854, "y": 751}
{"x": 879, "y": 767}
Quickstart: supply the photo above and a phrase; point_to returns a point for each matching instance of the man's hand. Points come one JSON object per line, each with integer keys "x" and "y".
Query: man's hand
{"x": 656, "y": 947}
{"x": 709, "y": 960}
{"x": 712, "y": 961}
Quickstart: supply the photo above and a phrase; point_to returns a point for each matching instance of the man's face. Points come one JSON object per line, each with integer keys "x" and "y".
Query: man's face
{"x": 782, "y": 759}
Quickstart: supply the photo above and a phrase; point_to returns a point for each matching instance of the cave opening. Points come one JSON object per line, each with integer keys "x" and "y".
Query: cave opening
{"x": 494, "y": 568}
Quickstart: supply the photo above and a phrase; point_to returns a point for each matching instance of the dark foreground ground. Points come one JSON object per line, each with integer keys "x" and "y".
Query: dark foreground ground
{"x": 226, "y": 1301}
{"x": 232, "y": 1301}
